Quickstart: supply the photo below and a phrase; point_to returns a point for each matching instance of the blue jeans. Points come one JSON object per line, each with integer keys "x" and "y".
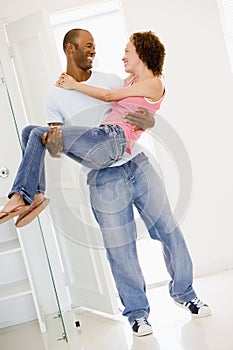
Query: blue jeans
{"x": 113, "y": 193}
{"x": 30, "y": 177}
{"x": 95, "y": 148}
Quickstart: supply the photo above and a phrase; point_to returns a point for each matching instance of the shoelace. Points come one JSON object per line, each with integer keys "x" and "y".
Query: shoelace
{"x": 197, "y": 302}
{"x": 141, "y": 321}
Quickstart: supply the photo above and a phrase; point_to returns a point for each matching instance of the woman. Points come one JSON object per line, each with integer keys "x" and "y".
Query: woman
{"x": 96, "y": 147}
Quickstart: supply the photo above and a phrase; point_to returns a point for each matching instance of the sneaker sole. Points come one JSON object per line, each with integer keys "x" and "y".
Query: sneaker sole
{"x": 143, "y": 335}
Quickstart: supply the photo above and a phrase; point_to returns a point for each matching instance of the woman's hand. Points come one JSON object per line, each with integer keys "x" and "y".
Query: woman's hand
{"x": 66, "y": 81}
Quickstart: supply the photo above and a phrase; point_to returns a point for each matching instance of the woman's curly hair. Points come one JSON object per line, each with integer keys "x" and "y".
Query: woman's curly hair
{"x": 150, "y": 50}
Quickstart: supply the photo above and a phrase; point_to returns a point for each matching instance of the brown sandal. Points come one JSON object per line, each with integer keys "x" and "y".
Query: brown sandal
{"x": 7, "y": 215}
{"x": 32, "y": 212}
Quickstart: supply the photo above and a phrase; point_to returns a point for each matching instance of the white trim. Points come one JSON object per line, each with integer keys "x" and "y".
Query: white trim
{"x": 11, "y": 81}
{"x": 226, "y": 14}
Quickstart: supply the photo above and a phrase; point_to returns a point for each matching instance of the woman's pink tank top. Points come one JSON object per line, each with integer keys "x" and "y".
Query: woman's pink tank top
{"x": 126, "y": 105}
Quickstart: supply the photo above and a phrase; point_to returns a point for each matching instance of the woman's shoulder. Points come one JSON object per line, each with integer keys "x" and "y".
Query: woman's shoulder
{"x": 128, "y": 79}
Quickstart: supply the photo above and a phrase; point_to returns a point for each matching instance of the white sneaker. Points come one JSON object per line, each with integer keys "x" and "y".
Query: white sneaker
{"x": 141, "y": 327}
{"x": 196, "y": 307}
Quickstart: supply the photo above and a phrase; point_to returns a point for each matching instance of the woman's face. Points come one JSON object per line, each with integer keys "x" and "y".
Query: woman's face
{"x": 131, "y": 59}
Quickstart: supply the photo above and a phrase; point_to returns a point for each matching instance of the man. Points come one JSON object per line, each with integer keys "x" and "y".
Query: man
{"x": 114, "y": 191}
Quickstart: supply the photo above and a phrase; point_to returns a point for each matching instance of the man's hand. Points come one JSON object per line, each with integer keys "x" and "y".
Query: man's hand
{"x": 142, "y": 119}
{"x": 52, "y": 140}
{"x": 44, "y": 138}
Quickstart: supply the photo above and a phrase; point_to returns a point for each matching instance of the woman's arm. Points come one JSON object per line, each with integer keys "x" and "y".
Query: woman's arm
{"x": 151, "y": 88}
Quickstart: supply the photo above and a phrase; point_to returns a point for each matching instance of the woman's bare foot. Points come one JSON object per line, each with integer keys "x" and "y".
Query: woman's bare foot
{"x": 39, "y": 197}
{"x": 15, "y": 201}
{"x": 13, "y": 207}
{"x": 38, "y": 204}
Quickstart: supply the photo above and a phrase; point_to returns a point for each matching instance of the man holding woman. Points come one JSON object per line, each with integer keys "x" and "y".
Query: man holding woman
{"x": 133, "y": 180}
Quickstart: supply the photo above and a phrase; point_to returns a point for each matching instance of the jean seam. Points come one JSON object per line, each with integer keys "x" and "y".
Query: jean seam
{"x": 124, "y": 175}
{"x": 181, "y": 299}
{"x": 110, "y": 143}
{"x": 137, "y": 314}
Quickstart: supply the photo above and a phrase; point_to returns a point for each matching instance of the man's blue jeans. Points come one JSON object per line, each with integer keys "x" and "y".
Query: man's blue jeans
{"x": 113, "y": 193}
{"x": 95, "y": 148}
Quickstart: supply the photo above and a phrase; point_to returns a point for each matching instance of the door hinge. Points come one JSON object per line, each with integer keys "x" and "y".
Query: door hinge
{"x": 10, "y": 52}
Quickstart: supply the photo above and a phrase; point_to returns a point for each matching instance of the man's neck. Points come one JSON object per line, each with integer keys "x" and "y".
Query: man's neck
{"x": 79, "y": 74}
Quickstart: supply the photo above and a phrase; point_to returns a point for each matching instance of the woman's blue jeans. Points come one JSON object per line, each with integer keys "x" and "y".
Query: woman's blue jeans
{"x": 113, "y": 193}
{"x": 95, "y": 148}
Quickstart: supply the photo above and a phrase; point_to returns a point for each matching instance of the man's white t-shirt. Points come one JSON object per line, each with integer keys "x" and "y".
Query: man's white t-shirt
{"x": 71, "y": 107}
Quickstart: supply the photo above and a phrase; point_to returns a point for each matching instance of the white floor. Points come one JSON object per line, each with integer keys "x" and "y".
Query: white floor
{"x": 174, "y": 329}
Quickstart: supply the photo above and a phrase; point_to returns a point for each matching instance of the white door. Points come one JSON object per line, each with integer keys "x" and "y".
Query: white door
{"x": 9, "y": 141}
{"x": 86, "y": 268}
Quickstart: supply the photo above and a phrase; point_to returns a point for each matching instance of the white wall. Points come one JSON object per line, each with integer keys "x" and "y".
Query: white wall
{"x": 198, "y": 105}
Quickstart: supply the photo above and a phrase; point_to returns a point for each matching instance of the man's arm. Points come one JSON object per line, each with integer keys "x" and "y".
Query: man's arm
{"x": 53, "y": 139}
{"x": 55, "y": 124}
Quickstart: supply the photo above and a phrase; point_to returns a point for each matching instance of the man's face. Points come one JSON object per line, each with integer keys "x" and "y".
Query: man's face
{"x": 84, "y": 51}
